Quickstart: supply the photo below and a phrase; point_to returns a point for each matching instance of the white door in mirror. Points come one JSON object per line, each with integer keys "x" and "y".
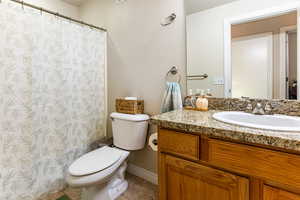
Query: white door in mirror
{"x": 266, "y": 122}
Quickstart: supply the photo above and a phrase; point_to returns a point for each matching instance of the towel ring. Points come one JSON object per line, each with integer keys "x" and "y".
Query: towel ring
{"x": 174, "y": 73}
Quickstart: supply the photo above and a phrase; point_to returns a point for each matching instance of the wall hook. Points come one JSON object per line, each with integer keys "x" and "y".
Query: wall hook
{"x": 168, "y": 20}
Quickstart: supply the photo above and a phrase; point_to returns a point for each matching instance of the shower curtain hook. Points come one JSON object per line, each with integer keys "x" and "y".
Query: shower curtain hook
{"x": 41, "y": 9}
{"x": 23, "y": 5}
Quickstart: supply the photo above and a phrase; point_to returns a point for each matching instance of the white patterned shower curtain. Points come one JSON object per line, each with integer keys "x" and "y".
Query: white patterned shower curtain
{"x": 52, "y": 98}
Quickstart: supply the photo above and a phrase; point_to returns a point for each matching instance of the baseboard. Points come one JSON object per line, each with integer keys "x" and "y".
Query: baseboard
{"x": 143, "y": 173}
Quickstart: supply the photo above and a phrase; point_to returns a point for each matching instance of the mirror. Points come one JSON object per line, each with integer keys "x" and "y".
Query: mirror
{"x": 239, "y": 53}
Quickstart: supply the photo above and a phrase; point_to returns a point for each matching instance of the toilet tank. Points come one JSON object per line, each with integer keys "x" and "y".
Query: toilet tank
{"x": 129, "y": 131}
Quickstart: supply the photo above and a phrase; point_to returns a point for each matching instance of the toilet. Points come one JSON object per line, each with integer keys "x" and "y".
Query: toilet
{"x": 101, "y": 173}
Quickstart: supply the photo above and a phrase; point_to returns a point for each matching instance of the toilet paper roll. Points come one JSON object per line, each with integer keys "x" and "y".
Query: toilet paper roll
{"x": 153, "y": 141}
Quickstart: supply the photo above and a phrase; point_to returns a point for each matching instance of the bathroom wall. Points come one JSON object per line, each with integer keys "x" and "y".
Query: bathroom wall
{"x": 140, "y": 52}
{"x": 193, "y": 6}
{"x": 206, "y": 41}
{"x": 57, "y": 6}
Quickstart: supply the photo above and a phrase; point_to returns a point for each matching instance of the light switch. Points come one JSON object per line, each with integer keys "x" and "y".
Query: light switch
{"x": 218, "y": 81}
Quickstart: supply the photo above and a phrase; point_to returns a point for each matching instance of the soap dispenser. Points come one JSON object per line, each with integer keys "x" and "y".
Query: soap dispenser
{"x": 189, "y": 102}
{"x": 202, "y": 102}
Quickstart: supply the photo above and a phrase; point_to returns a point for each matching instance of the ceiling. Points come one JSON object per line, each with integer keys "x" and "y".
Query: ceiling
{"x": 74, "y": 2}
{"x": 193, "y": 6}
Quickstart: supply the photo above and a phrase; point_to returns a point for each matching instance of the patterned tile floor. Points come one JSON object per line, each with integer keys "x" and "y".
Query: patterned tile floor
{"x": 138, "y": 189}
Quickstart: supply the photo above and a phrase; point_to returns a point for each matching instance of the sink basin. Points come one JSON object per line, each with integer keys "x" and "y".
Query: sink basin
{"x": 266, "y": 122}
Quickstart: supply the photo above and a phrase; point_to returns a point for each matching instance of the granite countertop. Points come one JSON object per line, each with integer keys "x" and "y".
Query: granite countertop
{"x": 203, "y": 123}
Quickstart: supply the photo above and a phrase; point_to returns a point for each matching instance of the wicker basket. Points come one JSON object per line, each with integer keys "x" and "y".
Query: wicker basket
{"x": 130, "y": 106}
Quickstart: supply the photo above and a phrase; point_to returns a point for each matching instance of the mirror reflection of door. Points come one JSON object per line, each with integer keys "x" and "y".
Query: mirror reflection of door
{"x": 291, "y": 65}
{"x": 264, "y": 58}
{"x": 252, "y": 63}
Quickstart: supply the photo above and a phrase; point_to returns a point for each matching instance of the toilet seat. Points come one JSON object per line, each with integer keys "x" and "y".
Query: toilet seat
{"x": 95, "y": 161}
{"x": 100, "y": 176}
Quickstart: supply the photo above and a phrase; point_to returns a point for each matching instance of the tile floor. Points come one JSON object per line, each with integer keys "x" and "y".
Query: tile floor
{"x": 138, "y": 189}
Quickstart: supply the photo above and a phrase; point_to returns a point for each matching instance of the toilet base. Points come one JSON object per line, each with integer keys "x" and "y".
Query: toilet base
{"x": 108, "y": 191}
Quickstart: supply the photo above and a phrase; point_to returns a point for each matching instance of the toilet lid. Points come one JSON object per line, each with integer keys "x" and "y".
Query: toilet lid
{"x": 95, "y": 161}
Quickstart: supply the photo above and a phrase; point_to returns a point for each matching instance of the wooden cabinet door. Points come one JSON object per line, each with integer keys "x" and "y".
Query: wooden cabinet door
{"x": 184, "y": 180}
{"x": 271, "y": 193}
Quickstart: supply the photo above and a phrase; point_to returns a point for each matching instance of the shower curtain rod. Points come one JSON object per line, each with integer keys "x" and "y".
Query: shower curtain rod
{"x": 57, "y": 14}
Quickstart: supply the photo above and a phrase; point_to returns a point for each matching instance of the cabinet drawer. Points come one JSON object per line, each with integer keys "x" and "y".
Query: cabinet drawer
{"x": 279, "y": 167}
{"x": 181, "y": 144}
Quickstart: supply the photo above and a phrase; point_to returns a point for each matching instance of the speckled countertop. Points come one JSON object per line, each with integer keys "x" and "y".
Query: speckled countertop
{"x": 203, "y": 123}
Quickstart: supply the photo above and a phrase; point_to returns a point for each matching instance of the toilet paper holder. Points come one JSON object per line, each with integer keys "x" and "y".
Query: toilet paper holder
{"x": 153, "y": 142}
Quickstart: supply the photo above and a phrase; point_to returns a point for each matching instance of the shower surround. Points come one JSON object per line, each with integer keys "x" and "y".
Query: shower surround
{"x": 52, "y": 98}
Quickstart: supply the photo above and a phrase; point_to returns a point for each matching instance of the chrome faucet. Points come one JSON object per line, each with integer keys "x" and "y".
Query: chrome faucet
{"x": 258, "y": 110}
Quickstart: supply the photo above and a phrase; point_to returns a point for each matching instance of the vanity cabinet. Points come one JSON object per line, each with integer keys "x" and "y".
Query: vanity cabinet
{"x": 185, "y": 180}
{"x": 193, "y": 167}
{"x": 271, "y": 193}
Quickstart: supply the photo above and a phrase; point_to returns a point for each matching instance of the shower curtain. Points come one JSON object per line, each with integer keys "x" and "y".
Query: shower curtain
{"x": 52, "y": 98}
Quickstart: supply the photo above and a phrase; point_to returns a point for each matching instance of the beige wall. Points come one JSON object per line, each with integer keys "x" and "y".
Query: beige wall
{"x": 57, "y": 6}
{"x": 140, "y": 52}
{"x": 205, "y": 32}
{"x": 193, "y": 6}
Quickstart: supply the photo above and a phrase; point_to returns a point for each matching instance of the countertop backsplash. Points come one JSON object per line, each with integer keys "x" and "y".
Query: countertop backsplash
{"x": 278, "y": 106}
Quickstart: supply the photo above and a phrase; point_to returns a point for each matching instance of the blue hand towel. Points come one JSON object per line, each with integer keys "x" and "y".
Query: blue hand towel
{"x": 172, "y": 99}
